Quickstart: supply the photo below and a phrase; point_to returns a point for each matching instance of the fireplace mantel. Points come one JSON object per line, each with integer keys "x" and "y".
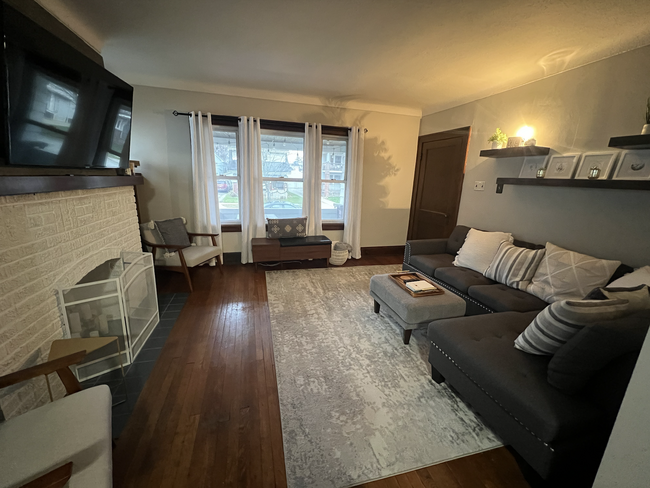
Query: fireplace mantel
{"x": 23, "y": 185}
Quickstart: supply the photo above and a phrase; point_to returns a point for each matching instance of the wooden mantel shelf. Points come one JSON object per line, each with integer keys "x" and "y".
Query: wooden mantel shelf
{"x": 24, "y": 185}
{"x": 602, "y": 184}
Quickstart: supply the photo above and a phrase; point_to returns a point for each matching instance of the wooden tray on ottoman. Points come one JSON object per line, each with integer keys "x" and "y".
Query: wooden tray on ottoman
{"x": 400, "y": 278}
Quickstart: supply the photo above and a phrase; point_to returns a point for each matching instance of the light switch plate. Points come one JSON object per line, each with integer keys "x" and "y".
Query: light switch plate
{"x": 479, "y": 185}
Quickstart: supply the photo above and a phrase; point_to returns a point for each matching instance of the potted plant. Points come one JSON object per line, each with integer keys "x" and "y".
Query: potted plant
{"x": 646, "y": 127}
{"x": 500, "y": 139}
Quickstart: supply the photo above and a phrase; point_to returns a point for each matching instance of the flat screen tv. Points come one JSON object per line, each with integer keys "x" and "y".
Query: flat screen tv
{"x": 60, "y": 108}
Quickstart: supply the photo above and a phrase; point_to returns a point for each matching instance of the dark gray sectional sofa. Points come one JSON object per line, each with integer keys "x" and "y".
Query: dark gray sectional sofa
{"x": 531, "y": 402}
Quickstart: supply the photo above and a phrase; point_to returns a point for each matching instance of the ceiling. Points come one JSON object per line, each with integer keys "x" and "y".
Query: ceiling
{"x": 414, "y": 54}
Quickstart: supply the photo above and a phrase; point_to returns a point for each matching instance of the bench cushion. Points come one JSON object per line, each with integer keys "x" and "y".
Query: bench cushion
{"x": 306, "y": 241}
{"x": 482, "y": 347}
{"x": 76, "y": 428}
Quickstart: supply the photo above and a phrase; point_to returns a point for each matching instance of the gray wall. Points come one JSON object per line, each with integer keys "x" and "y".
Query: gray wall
{"x": 576, "y": 111}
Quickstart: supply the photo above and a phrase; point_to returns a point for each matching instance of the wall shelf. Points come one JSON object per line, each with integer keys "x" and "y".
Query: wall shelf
{"x": 638, "y": 141}
{"x": 23, "y": 185}
{"x": 601, "y": 184}
{"x": 515, "y": 152}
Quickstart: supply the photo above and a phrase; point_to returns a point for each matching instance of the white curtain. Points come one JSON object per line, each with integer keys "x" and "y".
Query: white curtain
{"x": 204, "y": 180}
{"x": 251, "y": 193}
{"x": 311, "y": 190}
{"x": 352, "y": 220}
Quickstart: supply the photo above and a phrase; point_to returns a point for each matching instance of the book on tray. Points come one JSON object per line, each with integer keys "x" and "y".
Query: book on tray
{"x": 419, "y": 286}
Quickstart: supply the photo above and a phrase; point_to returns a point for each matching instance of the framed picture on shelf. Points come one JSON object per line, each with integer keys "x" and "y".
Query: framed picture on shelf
{"x": 596, "y": 165}
{"x": 531, "y": 165}
{"x": 562, "y": 166}
{"x": 634, "y": 165}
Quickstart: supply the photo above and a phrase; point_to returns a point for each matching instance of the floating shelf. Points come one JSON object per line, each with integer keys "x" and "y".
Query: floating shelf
{"x": 601, "y": 184}
{"x": 515, "y": 152}
{"x": 23, "y": 185}
{"x": 639, "y": 141}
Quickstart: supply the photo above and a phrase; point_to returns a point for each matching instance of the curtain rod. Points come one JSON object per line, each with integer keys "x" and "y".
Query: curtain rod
{"x": 177, "y": 113}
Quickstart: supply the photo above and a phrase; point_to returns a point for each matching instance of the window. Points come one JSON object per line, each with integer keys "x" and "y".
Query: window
{"x": 225, "y": 155}
{"x": 333, "y": 178}
{"x": 282, "y": 174}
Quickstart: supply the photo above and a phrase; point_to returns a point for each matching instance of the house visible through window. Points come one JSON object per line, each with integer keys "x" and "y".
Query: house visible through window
{"x": 225, "y": 155}
{"x": 282, "y": 172}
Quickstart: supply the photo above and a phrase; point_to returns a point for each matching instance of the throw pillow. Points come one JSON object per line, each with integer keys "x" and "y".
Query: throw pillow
{"x": 560, "y": 321}
{"x": 593, "y": 348}
{"x": 640, "y": 276}
{"x": 568, "y": 275}
{"x": 479, "y": 249}
{"x": 150, "y": 233}
{"x": 637, "y": 297}
{"x": 514, "y": 266}
{"x": 285, "y": 228}
{"x": 173, "y": 232}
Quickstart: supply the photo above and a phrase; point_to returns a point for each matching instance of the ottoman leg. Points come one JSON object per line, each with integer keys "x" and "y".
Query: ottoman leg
{"x": 406, "y": 335}
{"x": 377, "y": 306}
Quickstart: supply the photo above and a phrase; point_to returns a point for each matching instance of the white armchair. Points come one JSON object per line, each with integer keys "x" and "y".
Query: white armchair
{"x": 180, "y": 258}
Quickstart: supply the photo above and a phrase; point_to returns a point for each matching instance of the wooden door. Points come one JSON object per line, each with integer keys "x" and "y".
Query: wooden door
{"x": 439, "y": 172}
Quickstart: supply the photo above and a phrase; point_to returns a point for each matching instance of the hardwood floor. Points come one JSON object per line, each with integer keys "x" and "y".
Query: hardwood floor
{"x": 209, "y": 414}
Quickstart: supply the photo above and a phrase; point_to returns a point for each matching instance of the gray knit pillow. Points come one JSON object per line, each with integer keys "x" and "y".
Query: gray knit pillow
{"x": 173, "y": 232}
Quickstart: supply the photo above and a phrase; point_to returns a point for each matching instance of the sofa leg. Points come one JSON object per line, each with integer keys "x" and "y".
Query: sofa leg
{"x": 406, "y": 335}
{"x": 377, "y": 306}
{"x": 436, "y": 376}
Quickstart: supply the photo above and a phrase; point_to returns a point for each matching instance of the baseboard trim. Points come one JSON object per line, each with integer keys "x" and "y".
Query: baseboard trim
{"x": 374, "y": 250}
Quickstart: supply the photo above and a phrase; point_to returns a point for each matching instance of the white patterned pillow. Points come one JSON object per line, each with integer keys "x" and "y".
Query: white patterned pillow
{"x": 568, "y": 275}
{"x": 560, "y": 321}
{"x": 479, "y": 248}
{"x": 514, "y": 266}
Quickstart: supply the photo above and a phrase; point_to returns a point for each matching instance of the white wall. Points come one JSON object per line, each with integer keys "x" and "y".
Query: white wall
{"x": 576, "y": 111}
{"x": 161, "y": 143}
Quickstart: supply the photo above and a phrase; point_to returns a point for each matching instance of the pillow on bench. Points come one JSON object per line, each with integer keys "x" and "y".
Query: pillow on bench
{"x": 285, "y": 228}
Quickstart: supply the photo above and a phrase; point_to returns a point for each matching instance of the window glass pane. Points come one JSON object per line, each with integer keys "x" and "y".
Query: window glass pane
{"x": 282, "y": 199}
{"x": 334, "y": 151}
{"x": 225, "y": 152}
{"x": 228, "y": 191}
{"x": 332, "y": 201}
{"x": 225, "y": 155}
{"x": 282, "y": 155}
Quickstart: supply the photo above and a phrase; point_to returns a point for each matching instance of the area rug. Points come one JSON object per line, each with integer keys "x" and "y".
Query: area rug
{"x": 356, "y": 403}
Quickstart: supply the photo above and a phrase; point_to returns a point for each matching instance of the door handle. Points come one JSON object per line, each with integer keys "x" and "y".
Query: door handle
{"x": 435, "y": 212}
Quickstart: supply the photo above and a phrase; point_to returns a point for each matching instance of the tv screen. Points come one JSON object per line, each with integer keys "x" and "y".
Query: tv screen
{"x": 61, "y": 109}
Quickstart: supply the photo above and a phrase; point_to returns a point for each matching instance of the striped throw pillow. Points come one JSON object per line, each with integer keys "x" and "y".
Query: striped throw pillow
{"x": 514, "y": 266}
{"x": 560, "y": 321}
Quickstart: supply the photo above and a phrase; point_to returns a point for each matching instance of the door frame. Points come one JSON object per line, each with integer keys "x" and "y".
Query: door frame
{"x": 419, "y": 168}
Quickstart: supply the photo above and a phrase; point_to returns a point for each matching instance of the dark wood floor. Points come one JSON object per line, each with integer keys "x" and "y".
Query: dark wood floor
{"x": 209, "y": 414}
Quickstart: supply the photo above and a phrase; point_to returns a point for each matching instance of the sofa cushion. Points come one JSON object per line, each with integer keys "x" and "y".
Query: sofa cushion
{"x": 568, "y": 275}
{"x": 561, "y": 321}
{"x": 593, "y": 348}
{"x": 502, "y": 298}
{"x": 479, "y": 249}
{"x": 428, "y": 263}
{"x": 638, "y": 297}
{"x": 640, "y": 276}
{"x": 481, "y": 347}
{"x": 456, "y": 239}
{"x": 514, "y": 266}
{"x": 462, "y": 278}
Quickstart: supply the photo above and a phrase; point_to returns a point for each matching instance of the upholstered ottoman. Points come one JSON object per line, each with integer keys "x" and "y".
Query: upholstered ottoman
{"x": 412, "y": 312}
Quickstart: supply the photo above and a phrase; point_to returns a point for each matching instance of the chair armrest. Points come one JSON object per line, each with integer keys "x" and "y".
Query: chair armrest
{"x": 59, "y": 366}
{"x": 57, "y": 478}
{"x": 211, "y": 236}
{"x": 424, "y": 246}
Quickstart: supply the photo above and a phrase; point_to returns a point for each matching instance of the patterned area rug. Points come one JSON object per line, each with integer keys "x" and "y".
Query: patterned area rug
{"x": 356, "y": 403}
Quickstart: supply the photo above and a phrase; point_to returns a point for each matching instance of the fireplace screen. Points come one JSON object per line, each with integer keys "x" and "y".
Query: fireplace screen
{"x": 118, "y": 299}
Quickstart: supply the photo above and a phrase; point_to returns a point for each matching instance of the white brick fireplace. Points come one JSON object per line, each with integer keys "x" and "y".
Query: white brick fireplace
{"x": 50, "y": 239}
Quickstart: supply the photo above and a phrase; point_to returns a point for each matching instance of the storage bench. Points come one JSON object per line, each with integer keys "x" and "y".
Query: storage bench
{"x": 291, "y": 249}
